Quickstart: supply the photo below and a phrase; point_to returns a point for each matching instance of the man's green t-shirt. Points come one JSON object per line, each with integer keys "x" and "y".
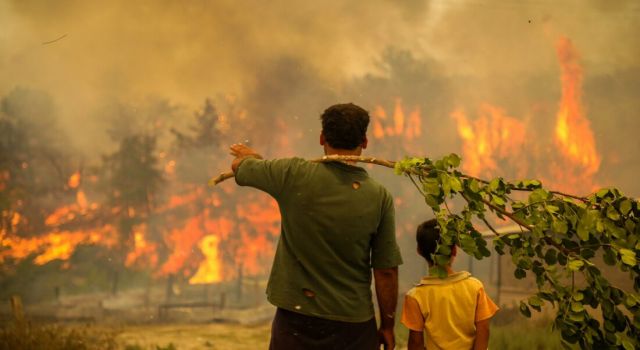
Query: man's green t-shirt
{"x": 337, "y": 224}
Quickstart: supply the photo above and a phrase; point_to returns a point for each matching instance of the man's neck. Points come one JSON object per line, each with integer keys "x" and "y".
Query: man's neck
{"x": 328, "y": 150}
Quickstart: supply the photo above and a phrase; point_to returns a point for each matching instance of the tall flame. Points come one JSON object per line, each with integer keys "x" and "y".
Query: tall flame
{"x": 573, "y": 132}
{"x": 495, "y": 143}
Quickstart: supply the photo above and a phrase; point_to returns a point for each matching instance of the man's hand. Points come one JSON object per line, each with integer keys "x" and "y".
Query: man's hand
{"x": 241, "y": 151}
{"x": 386, "y": 284}
{"x": 386, "y": 338}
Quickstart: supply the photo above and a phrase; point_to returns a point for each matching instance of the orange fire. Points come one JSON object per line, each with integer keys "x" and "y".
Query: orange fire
{"x": 494, "y": 143}
{"x": 209, "y": 271}
{"x": 399, "y": 124}
{"x": 210, "y": 236}
{"x": 182, "y": 241}
{"x": 144, "y": 253}
{"x": 74, "y": 180}
{"x": 489, "y": 140}
{"x": 55, "y": 245}
{"x": 574, "y": 136}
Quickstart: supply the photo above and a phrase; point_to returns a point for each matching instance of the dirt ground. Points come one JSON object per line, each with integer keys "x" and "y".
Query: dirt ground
{"x": 217, "y": 336}
{"x": 204, "y": 336}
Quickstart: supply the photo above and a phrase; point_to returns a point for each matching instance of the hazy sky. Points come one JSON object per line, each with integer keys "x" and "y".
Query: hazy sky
{"x": 263, "y": 51}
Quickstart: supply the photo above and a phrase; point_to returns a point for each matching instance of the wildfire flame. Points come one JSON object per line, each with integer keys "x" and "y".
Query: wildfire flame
{"x": 74, "y": 180}
{"x": 494, "y": 142}
{"x": 144, "y": 253}
{"x": 399, "y": 124}
{"x": 209, "y": 271}
{"x": 489, "y": 139}
{"x": 55, "y": 245}
{"x": 574, "y": 136}
{"x": 210, "y": 236}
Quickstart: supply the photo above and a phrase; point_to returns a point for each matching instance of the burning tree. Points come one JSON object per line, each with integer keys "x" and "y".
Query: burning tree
{"x": 33, "y": 169}
{"x": 133, "y": 179}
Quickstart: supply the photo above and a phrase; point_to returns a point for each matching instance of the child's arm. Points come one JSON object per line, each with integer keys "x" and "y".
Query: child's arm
{"x": 416, "y": 340}
{"x": 482, "y": 335}
{"x": 485, "y": 310}
{"x": 413, "y": 319}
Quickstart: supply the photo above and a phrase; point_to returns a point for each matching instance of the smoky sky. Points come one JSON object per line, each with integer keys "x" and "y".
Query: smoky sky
{"x": 286, "y": 59}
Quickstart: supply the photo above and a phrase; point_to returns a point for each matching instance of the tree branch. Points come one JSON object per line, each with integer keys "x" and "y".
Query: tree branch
{"x": 325, "y": 159}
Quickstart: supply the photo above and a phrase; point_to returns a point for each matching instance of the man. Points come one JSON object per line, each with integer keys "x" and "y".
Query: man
{"x": 337, "y": 225}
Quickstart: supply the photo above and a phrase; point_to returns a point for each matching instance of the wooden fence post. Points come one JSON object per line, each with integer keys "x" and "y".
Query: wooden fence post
{"x": 17, "y": 309}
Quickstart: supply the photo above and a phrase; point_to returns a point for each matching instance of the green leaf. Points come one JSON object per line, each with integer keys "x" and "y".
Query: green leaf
{"x": 630, "y": 300}
{"x": 577, "y": 296}
{"x": 625, "y": 207}
{"x": 587, "y": 224}
{"x": 628, "y": 256}
{"x": 520, "y": 273}
{"x": 575, "y": 265}
{"x": 497, "y": 201}
{"x": 562, "y": 259}
{"x": 560, "y": 226}
{"x": 535, "y": 301}
{"x": 602, "y": 193}
{"x": 494, "y": 185}
{"x": 453, "y": 160}
{"x": 552, "y": 209}
{"x": 587, "y": 253}
{"x": 446, "y": 184}
{"x": 432, "y": 201}
{"x": 613, "y": 214}
{"x": 626, "y": 344}
{"x": 529, "y": 184}
{"x": 609, "y": 257}
{"x": 468, "y": 244}
{"x": 442, "y": 260}
{"x": 550, "y": 257}
{"x": 538, "y": 195}
{"x": 577, "y": 317}
{"x": 439, "y": 271}
{"x": 444, "y": 249}
{"x": 474, "y": 186}
{"x": 524, "y": 309}
{"x": 431, "y": 186}
{"x": 455, "y": 184}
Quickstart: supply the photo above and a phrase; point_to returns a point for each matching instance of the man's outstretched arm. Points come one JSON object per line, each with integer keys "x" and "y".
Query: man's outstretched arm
{"x": 386, "y": 283}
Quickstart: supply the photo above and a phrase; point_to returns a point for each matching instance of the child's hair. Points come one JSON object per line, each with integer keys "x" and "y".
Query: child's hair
{"x": 428, "y": 236}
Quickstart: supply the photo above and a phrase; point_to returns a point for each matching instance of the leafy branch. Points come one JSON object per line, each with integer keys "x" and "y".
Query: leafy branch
{"x": 563, "y": 234}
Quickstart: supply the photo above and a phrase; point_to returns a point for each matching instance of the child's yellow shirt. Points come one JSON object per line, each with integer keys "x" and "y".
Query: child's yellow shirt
{"x": 447, "y": 310}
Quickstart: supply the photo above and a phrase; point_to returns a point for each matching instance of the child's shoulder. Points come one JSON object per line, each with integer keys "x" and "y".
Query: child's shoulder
{"x": 475, "y": 282}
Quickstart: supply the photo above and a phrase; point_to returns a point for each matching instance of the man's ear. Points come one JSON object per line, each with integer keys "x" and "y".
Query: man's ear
{"x": 364, "y": 143}
{"x": 322, "y": 140}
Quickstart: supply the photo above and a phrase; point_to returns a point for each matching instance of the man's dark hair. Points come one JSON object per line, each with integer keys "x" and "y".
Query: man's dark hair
{"x": 344, "y": 126}
{"x": 428, "y": 236}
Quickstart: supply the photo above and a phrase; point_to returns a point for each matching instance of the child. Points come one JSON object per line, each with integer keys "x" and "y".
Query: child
{"x": 454, "y": 311}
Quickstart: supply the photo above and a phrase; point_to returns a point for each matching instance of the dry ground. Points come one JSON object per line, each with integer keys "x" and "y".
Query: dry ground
{"x": 217, "y": 336}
